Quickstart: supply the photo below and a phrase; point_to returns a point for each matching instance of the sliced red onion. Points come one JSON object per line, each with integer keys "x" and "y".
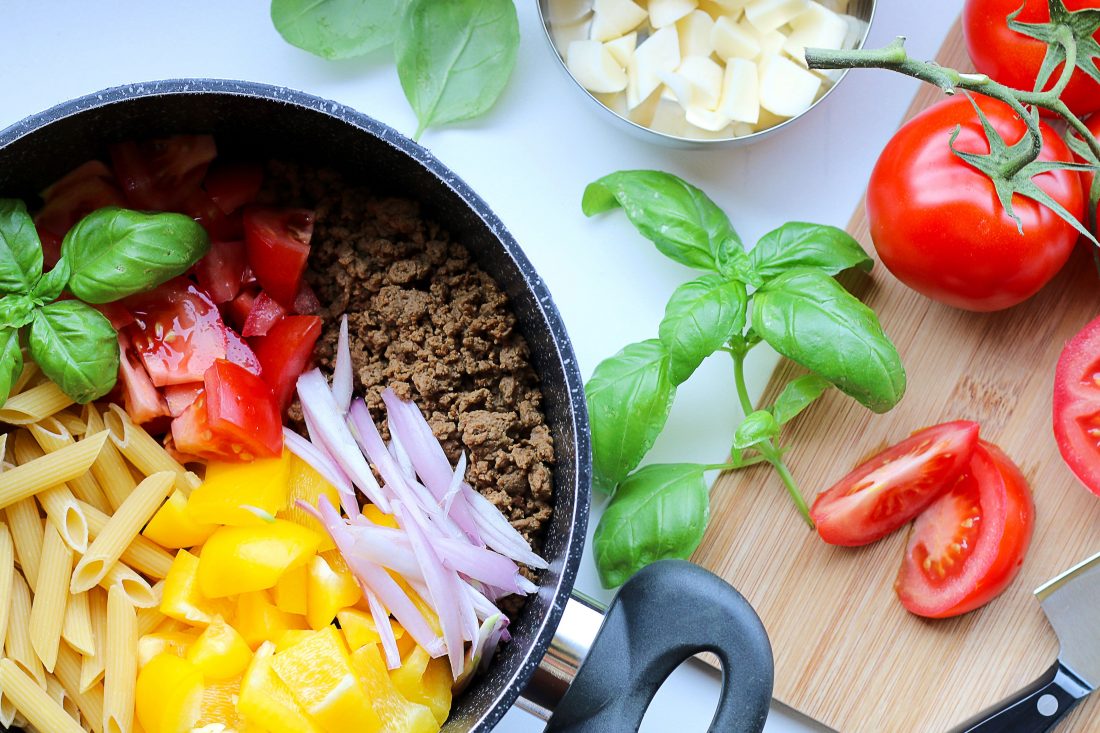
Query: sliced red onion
{"x": 319, "y": 405}
{"x": 454, "y": 490}
{"x": 343, "y": 383}
{"x": 385, "y": 631}
{"x": 322, "y": 463}
{"x": 397, "y": 450}
{"x": 483, "y": 607}
{"x": 498, "y": 533}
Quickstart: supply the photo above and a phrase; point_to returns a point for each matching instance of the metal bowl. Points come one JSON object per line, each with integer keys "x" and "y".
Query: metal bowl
{"x": 861, "y": 9}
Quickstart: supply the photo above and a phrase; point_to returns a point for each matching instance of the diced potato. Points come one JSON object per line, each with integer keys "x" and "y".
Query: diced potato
{"x": 771, "y": 44}
{"x": 741, "y": 129}
{"x": 615, "y": 18}
{"x": 732, "y": 40}
{"x": 695, "y": 30}
{"x": 594, "y": 68}
{"x": 663, "y": 13}
{"x": 705, "y": 77}
{"x": 565, "y": 33}
{"x": 786, "y": 89}
{"x": 670, "y": 119}
{"x": 741, "y": 92}
{"x": 717, "y": 9}
{"x": 642, "y": 113}
{"x": 706, "y": 119}
{"x": 568, "y": 11}
{"x": 818, "y": 27}
{"x": 660, "y": 52}
{"x": 622, "y": 48}
{"x": 615, "y": 102}
{"x": 768, "y": 15}
{"x": 676, "y": 89}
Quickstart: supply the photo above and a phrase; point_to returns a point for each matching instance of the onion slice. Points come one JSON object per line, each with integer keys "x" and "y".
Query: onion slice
{"x": 498, "y": 533}
{"x": 343, "y": 383}
{"x": 322, "y": 463}
{"x": 385, "y": 631}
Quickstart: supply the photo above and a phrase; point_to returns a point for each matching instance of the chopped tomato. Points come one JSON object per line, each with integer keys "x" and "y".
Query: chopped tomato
{"x": 265, "y": 313}
{"x": 221, "y": 271}
{"x": 140, "y": 398}
{"x": 241, "y": 354}
{"x": 116, "y": 313}
{"x": 219, "y": 225}
{"x": 278, "y": 245}
{"x": 887, "y": 491}
{"x": 233, "y": 185}
{"x": 970, "y": 543}
{"x": 241, "y": 408}
{"x": 89, "y": 187}
{"x": 177, "y": 332}
{"x": 161, "y": 174}
{"x": 180, "y": 396}
{"x": 1077, "y": 405}
{"x": 238, "y": 309}
{"x": 285, "y": 352}
{"x": 306, "y": 302}
{"x": 191, "y": 433}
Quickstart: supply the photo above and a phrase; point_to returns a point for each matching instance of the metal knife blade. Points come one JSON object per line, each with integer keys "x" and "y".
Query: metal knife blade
{"x": 1071, "y": 602}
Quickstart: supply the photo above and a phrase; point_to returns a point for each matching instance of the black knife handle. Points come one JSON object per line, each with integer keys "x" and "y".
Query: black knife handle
{"x": 1034, "y": 709}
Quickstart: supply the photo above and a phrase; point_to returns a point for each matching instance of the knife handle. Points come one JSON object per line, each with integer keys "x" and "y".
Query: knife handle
{"x": 1035, "y": 709}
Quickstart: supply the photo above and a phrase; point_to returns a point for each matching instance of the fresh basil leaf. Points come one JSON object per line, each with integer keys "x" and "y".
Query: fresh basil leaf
{"x": 629, "y": 397}
{"x": 50, "y": 285}
{"x": 809, "y": 318}
{"x": 337, "y": 29}
{"x": 799, "y": 244}
{"x": 658, "y": 512}
{"x": 11, "y": 361}
{"x": 76, "y": 347}
{"x": 677, "y": 217}
{"x": 799, "y": 394}
{"x": 16, "y": 310}
{"x": 755, "y": 428}
{"x": 454, "y": 58}
{"x": 117, "y": 252}
{"x": 700, "y": 316}
{"x": 20, "y": 248}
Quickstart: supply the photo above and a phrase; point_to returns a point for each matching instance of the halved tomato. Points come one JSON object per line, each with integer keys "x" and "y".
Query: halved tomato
{"x": 970, "y": 543}
{"x": 278, "y": 245}
{"x": 220, "y": 272}
{"x": 284, "y": 353}
{"x": 887, "y": 491}
{"x": 1077, "y": 405}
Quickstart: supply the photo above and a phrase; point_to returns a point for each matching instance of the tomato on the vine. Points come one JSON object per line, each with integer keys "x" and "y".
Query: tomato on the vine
{"x": 1077, "y": 405}
{"x": 938, "y": 225}
{"x": 1013, "y": 58}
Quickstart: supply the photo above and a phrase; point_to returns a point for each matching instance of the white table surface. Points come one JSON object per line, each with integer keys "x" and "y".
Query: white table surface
{"x": 530, "y": 158}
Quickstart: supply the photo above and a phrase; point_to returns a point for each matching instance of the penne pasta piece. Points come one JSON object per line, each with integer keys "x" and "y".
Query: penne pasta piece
{"x": 52, "y": 435}
{"x": 77, "y": 629}
{"x": 69, "y": 706}
{"x": 121, "y": 529}
{"x": 121, "y": 663}
{"x": 135, "y": 587}
{"x": 7, "y": 576}
{"x": 34, "y": 702}
{"x": 91, "y": 667}
{"x": 25, "y": 525}
{"x": 70, "y": 422}
{"x": 143, "y": 554}
{"x": 34, "y": 404}
{"x": 141, "y": 449}
{"x": 50, "y": 470}
{"x": 149, "y": 619}
{"x": 30, "y": 371}
{"x": 89, "y": 701}
{"x": 110, "y": 469}
{"x": 7, "y": 713}
{"x": 48, "y": 605}
{"x": 58, "y": 501}
{"x": 17, "y": 643}
{"x": 55, "y": 690}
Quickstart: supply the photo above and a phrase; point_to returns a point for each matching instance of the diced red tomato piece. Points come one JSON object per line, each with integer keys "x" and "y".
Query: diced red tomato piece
{"x": 177, "y": 332}
{"x": 139, "y": 396}
{"x": 180, "y": 396}
{"x": 233, "y": 185}
{"x": 285, "y": 352}
{"x": 191, "y": 433}
{"x": 89, "y": 187}
{"x": 265, "y": 313}
{"x": 278, "y": 246}
{"x": 238, "y": 309}
{"x": 119, "y": 316}
{"x": 221, "y": 271}
{"x": 241, "y": 354}
{"x": 241, "y": 408}
{"x": 219, "y": 225}
{"x": 161, "y": 174}
{"x": 306, "y": 302}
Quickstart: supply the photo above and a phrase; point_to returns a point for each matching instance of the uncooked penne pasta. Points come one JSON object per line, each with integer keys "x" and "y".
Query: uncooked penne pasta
{"x": 70, "y": 422}
{"x": 121, "y": 529}
{"x": 26, "y": 534}
{"x": 34, "y": 404}
{"x": 110, "y": 469}
{"x": 141, "y": 449}
{"x": 51, "y": 596}
{"x": 58, "y": 501}
{"x": 143, "y": 554}
{"x": 91, "y": 667}
{"x": 121, "y": 667}
{"x": 51, "y": 435}
{"x": 150, "y": 618}
{"x": 50, "y": 470}
{"x": 7, "y": 576}
{"x": 55, "y": 690}
{"x": 135, "y": 587}
{"x": 7, "y": 712}
{"x": 77, "y": 629}
{"x": 17, "y": 642}
{"x": 34, "y": 702}
{"x": 90, "y": 702}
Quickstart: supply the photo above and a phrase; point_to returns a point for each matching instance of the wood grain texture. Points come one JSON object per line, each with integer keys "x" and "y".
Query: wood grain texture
{"x": 846, "y": 652}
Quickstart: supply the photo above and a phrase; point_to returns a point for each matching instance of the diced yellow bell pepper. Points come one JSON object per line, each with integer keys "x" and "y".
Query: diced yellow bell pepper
{"x": 376, "y": 515}
{"x": 220, "y": 652}
{"x": 398, "y": 714}
{"x": 171, "y": 624}
{"x": 168, "y": 695}
{"x": 243, "y": 559}
{"x": 290, "y": 637}
{"x": 427, "y": 611}
{"x": 182, "y": 599}
{"x": 318, "y": 672}
{"x": 169, "y": 642}
{"x": 172, "y": 527}
{"x": 266, "y": 700}
{"x": 219, "y": 706}
{"x": 330, "y": 591}
{"x": 259, "y": 620}
{"x": 232, "y": 492}
{"x": 309, "y": 486}
{"x": 359, "y": 629}
{"x": 427, "y": 681}
{"x": 291, "y": 590}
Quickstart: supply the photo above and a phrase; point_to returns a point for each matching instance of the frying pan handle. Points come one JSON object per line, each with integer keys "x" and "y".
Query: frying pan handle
{"x": 662, "y": 616}
{"x": 1035, "y": 709}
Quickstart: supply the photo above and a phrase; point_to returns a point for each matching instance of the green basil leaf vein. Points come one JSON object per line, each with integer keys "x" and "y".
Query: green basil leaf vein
{"x": 799, "y": 244}
{"x": 337, "y": 29}
{"x": 20, "y": 248}
{"x": 799, "y": 394}
{"x": 76, "y": 347}
{"x": 757, "y": 427}
{"x": 700, "y": 316}
{"x": 11, "y": 361}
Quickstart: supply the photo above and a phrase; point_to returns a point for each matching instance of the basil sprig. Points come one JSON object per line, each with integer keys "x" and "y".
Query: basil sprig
{"x": 108, "y": 255}
{"x": 797, "y": 307}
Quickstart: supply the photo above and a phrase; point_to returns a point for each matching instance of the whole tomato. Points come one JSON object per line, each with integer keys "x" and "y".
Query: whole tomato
{"x": 1013, "y": 58}
{"x": 1086, "y": 178}
{"x": 937, "y": 223}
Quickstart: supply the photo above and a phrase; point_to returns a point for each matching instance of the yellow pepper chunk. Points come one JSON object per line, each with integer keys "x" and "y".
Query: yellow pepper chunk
{"x": 182, "y": 599}
{"x": 242, "y": 559}
{"x": 427, "y": 681}
{"x": 233, "y": 492}
{"x": 309, "y": 486}
{"x": 259, "y": 620}
{"x": 376, "y": 515}
{"x": 265, "y": 699}
{"x": 168, "y": 695}
{"x": 329, "y": 591}
{"x": 173, "y": 527}
{"x": 219, "y": 707}
{"x": 398, "y": 714}
{"x": 359, "y": 629}
{"x": 290, "y": 637}
{"x": 220, "y": 652}
{"x": 318, "y": 672}
{"x": 153, "y": 645}
{"x": 290, "y": 591}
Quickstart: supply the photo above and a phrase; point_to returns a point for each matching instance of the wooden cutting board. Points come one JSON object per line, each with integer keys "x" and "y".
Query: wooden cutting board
{"x": 846, "y": 653}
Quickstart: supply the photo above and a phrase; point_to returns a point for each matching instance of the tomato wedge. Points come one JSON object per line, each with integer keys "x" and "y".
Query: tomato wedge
{"x": 1077, "y": 405}
{"x": 221, "y": 271}
{"x": 265, "y": 313}
{"x": 968, "y": 546}
{"x": 887, "y": 491}
{"x": 160, "y": 175}
{"x": 284, "y": 353}
{"x": 278, "y": 245}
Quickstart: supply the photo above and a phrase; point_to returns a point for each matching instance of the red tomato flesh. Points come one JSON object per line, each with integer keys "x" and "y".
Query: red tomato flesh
{"x": 160, "y": 175}
{"x": 221, "y": 271}
{"x": 140, "y": 398}
{"x": 285, "y": 352}
{"x": 89, "y": 187}
{"x": 180, "y": 396}
{"x": 241, "y": 408}
{"x": 265, "y": 313}
{"x": 1077, "y": 405}
{"x": 278, "y": 246}
{"x": 233, "y": 185}
{"x": 967, "y": 547}
{"x": 887, "y": 491}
